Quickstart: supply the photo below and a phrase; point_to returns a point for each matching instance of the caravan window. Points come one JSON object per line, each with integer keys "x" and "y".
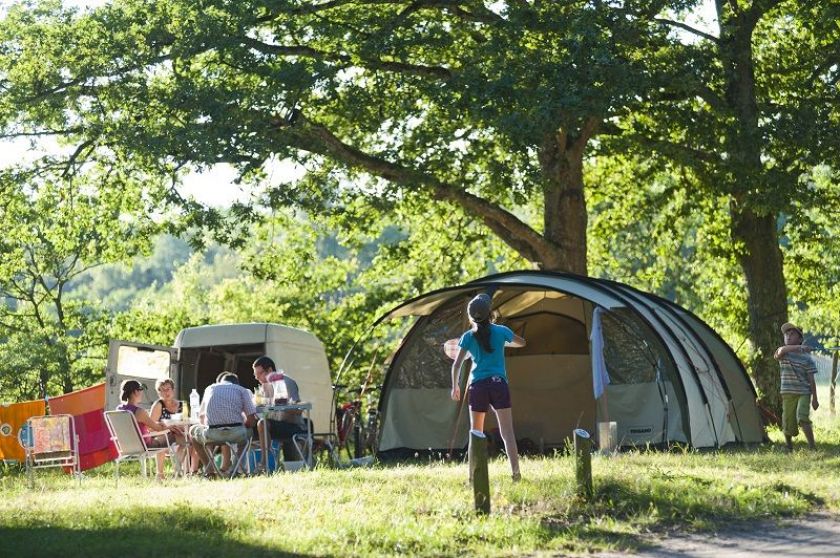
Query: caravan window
{"x": 142, "y": 362}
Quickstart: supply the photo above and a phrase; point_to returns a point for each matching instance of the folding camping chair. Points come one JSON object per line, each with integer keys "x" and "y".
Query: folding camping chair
{"x": 239, "y": 458}
{"x": 125, "y": 433}
{"x": 51, "y": 441}
{"x": 316, "y": 443}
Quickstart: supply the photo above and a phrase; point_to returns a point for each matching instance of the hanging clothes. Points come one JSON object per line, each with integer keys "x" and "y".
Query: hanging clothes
{"x": 600, "y": 377}
{"x": 79, "y": 402}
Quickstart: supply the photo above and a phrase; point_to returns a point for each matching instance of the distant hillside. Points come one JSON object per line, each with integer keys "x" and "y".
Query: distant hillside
{"x": 115, "y": 286}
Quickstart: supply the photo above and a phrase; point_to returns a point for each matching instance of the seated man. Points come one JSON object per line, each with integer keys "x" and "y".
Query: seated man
{"x": 291, "y": 422}
{"x": 227, "y": 414}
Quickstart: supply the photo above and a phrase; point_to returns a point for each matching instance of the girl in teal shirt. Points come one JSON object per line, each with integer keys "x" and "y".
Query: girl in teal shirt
{"x": 488, "y": 387}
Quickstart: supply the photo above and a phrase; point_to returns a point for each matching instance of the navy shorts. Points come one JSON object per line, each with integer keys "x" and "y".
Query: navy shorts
{"x": 489, "y": 392}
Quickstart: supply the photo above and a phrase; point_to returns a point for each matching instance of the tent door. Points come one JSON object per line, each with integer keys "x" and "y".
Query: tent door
{"x": 138, "y": 361}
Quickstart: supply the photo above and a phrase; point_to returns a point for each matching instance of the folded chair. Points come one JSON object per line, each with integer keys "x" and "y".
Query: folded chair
{"x": 125, "y": 433}
{"x": 309, "y": 445}
{"x": 238, "y": 458}
{"x": 51, "y": 441}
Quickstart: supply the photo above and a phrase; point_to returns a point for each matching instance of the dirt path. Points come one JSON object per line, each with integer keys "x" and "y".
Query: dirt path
{"x": 815, "y": 536}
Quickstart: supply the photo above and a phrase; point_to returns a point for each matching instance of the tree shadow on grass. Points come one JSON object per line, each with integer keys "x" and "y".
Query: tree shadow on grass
{"x": 140, "y": 532}
{"x": 659, "y": 512}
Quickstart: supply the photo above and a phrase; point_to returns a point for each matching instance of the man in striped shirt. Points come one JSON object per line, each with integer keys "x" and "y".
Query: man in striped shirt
{"x": 227, "y": 414}
{"x": 798, "y": 387}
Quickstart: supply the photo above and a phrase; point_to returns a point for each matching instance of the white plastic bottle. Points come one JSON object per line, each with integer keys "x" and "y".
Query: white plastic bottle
{"x": 195, "y": 402}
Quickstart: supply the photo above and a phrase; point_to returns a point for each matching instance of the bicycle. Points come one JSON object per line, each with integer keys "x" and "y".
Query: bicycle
{"x": 357, "y": 436}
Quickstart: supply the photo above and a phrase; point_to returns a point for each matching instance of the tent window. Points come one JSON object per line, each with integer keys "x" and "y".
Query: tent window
{"x": 422, "y": 363}
{"x": 630, "y": 356}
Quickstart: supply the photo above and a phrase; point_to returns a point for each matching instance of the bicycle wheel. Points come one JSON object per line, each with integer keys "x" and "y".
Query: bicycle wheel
{"x": 358, "y": 439}
{"x": 347, "y": 432}
{"x": 372, "y": 433}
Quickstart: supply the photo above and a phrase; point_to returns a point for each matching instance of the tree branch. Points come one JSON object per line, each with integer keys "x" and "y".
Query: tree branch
{"x": 520, "y": 236}
{"x": 42, "y": 133}
{"x": 686, "y": 27}
{"x": 587, "y": 131}
{"x": 301, "y": 50}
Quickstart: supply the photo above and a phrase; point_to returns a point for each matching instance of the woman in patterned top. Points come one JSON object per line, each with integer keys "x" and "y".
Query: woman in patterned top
{"x": 164, "y": 408}
{"x": 167, "y": 405}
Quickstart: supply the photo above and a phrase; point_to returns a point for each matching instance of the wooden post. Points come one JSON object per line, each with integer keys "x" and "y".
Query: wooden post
{"x": 478, "y": 471}
{"x": 833, "y": 383}
{"x": 583, "y": 463}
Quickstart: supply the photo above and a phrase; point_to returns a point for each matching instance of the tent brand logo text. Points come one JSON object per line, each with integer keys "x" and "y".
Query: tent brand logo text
{"x": 640, "y": 429}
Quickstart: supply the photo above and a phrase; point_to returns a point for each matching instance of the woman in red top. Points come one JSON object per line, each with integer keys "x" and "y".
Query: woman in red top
{"x": 132, "y": 395}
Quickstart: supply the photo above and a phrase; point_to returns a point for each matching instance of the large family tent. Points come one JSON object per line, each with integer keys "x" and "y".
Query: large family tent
{"x": 659, "y": 372}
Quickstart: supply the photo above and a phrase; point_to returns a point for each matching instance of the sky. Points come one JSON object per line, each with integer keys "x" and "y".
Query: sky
{"x": 216, "y": 187}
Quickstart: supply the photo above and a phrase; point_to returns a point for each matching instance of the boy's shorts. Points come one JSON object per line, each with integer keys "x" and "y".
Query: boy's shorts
{"x": 796, "y": 410}
{"x": 489, "y": 392}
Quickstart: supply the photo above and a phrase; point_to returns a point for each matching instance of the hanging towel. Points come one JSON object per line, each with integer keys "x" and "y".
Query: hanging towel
{"x": 87, "y": 407}
{"x": 600, "y": 378}
{"x": 96, "y": 458}
{"x": 79, "y": 402}
{"x": 93, "y": 432}
{"x": 12, "y": 418}
{"x": 95, "y": 446}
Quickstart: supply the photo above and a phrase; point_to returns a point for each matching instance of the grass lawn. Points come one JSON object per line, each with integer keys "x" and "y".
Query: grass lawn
{"x": 421, "y": 509}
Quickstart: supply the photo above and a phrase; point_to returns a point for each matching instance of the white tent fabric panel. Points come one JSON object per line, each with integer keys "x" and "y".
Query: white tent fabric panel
{"x": 706, "y": 372}
{"x": 701, "y": 361}
{"x": 747, "y": 421}
{"x": 639, "y": 413}
{"x": 702, "y": 433}
{"x": 424, "y": 419}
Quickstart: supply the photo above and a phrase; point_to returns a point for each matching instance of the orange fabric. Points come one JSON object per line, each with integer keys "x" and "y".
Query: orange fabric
{"x": 79, "y": 402}
{"x": 12, "y": 418}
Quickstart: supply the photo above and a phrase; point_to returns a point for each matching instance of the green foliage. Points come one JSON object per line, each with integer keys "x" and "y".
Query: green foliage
{"x": 662, "y": 239}
{"x": 115, "y": 285}
{"x": 812, "y": 261}
{"x": 456, "y": 102}
{"x": 52, "y": 231}
{"x": 323, "y": 275}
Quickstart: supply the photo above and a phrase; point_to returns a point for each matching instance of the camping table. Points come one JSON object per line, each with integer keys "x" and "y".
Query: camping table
{"x": 183, "y": 424}
{"x": 275, "y": 412}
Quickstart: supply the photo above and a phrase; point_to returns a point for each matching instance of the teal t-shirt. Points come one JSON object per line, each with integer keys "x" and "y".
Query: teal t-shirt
{"x": 486, "y": 365}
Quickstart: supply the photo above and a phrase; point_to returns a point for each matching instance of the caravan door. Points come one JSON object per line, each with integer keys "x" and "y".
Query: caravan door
{"x": 141, "y": 362}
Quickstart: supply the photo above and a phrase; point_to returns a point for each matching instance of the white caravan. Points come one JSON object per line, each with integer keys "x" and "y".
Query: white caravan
{"x": 199, "y": 354}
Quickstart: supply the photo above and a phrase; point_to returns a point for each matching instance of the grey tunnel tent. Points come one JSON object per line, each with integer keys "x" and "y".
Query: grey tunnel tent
{"x": 671, "y": 378}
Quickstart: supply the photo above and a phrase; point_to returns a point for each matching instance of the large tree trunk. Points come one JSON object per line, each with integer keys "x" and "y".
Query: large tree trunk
{"x": 754, "y": 235}
{"x": 761, "y": 260}
{"x": 565, "y": 217}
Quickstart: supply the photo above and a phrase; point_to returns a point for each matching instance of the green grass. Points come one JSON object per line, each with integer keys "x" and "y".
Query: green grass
{"x": 420, "y": 509}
